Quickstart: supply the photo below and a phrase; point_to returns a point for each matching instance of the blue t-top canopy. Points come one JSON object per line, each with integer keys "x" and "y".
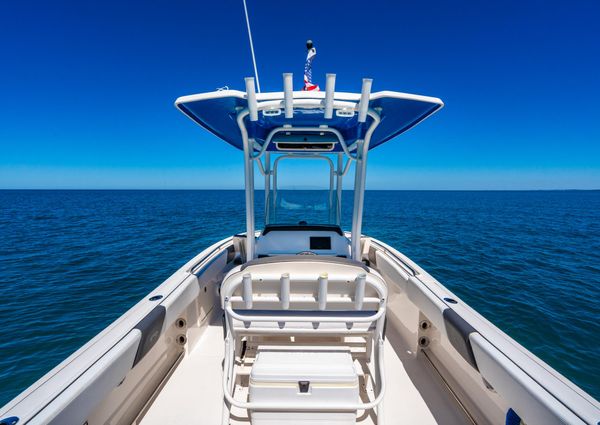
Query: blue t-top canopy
{"x": 218, "y": 111}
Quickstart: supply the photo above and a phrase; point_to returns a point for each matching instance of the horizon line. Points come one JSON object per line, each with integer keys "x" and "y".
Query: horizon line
{"x": 261, "y": 189}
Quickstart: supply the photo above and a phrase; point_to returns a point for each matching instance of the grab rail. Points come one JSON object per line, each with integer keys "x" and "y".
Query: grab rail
{"x": 311, "y": 319}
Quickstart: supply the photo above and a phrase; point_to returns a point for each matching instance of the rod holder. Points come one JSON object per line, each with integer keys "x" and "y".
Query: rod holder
{"x": 288, "y": 94}
{"x": 251, "y": 96}
{"x": 322, "y": 295}
{"x": 285, "y": 291}
{"x": 247, "y": 290}
{"x": 329, "y": 92}
{"x": 365, "y": 95}
{"x": 359, "y": 291}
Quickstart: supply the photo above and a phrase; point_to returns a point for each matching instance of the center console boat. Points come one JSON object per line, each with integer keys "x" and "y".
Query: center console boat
{"x": 301, "y": 321}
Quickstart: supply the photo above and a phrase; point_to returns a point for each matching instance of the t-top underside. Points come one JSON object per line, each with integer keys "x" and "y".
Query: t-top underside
{"x": 336, "y": 120}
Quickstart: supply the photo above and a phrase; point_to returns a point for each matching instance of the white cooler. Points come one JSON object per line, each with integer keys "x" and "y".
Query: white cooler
{"x": 303, "y": 375}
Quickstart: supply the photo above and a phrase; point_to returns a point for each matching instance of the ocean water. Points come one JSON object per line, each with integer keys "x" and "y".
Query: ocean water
{"x": 71, "y": 262}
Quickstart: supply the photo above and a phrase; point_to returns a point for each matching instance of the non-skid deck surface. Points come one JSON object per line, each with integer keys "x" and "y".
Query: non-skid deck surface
{"x": 193, "y": 394}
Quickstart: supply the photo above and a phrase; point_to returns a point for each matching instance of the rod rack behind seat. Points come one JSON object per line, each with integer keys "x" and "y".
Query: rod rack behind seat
{"x": 248, "y": 297}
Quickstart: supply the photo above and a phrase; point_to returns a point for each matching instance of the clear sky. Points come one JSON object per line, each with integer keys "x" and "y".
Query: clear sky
{"x": 87, "y": 88}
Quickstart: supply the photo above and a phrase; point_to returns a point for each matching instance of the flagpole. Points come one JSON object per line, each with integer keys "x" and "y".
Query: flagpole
{"x": 310, "y": 56}
{"x": 251, "y": 47}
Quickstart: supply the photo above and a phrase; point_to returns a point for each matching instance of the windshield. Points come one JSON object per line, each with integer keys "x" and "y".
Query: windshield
{"x": 301, "y": 207}
{"x": 302, "y": 192}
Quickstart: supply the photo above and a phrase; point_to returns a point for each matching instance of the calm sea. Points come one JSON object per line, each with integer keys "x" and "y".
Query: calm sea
{"x": 71, "y": 262}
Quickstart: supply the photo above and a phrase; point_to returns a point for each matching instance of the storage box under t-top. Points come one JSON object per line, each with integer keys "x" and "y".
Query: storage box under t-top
{"x": 303, "y": 376}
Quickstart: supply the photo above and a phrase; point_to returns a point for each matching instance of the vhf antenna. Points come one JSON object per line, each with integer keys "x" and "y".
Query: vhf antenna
{"x": 251, "y": 47}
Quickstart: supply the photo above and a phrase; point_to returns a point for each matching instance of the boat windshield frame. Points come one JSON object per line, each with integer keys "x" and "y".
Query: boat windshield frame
{"x": 275, "y": 202}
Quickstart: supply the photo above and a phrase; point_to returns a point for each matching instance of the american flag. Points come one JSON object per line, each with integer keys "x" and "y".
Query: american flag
{"x": 308, "y": 84}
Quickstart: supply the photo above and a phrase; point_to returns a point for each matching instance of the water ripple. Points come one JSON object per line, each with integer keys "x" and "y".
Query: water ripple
{"x": 71, "y": 262}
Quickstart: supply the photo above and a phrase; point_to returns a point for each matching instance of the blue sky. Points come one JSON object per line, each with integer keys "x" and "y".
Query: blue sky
{"x": 87, "y": 88}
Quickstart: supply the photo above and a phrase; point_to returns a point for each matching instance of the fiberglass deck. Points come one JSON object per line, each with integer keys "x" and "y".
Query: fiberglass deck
{"x": 193, "y": 393}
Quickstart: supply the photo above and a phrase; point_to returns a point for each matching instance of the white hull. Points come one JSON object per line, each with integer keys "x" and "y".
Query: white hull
{"x": 162, "y": 361}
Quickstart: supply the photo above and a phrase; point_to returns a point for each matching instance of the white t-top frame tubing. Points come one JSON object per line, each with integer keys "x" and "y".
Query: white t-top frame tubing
{"x": 362, "y": 148}
{"x": 359, "y": 184}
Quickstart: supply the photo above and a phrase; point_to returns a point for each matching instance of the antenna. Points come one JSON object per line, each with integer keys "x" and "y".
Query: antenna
{"x": 251, "y": 46}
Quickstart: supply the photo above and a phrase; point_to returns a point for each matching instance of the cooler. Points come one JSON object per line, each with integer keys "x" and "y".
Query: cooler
{"x": 304, "y": 375}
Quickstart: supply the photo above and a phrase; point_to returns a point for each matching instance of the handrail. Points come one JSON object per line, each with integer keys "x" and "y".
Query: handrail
{"x": 309, "y": 319}
{"x": 303, "y": 299}
{"x": 297, "y": 129}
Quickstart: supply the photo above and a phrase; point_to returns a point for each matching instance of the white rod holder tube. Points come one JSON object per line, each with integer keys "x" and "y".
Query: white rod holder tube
{"x": 288, "y": 94}
{"x": 285, "y": 291}
{"x": 329, "y": 92}
{"x": 247, "y": 290}
{"x": 365, "y": 96}
{"x": 251, "y": 96}
{"x": 322, "y": 295}
{"x": 359, "y": 291}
